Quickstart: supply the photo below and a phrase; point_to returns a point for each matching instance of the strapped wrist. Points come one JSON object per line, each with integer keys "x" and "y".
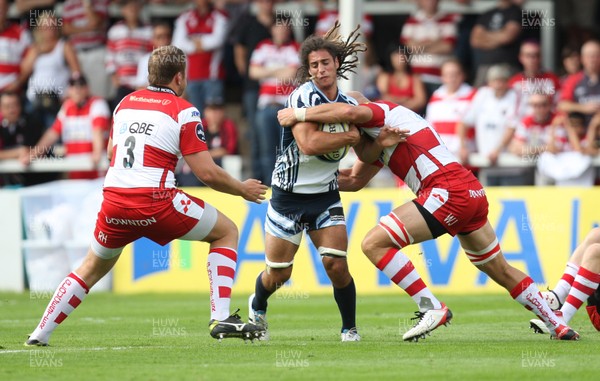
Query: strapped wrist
{"x": 300, "y": 114}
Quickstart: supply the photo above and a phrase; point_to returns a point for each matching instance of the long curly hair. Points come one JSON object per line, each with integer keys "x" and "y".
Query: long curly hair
{"x": 344, "y": 50}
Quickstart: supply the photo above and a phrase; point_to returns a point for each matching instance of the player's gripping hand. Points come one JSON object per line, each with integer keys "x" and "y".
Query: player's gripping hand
{"x": 253, "y": 190}
{"x": 286, "y": 117}
{"x": 354, "y": 133}
{"x": 389, "y": 137}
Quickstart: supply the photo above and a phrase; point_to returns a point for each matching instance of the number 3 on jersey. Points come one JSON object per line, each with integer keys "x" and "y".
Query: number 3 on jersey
{"x": 129, "y": 159}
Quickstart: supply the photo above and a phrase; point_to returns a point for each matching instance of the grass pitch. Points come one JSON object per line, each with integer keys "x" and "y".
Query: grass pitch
{"x": 165, "y": 337}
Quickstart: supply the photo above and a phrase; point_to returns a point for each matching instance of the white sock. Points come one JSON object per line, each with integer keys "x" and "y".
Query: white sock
{"x": 586, "y": 282}
{"x": 66, "y": 298}
{"x": 528, "y": 294}
{"x": 564, "y": 284}
{"x": 221, "y": 265}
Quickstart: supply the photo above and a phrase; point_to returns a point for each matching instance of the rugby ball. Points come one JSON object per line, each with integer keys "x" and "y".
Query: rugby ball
{"x": 334, "y": 128}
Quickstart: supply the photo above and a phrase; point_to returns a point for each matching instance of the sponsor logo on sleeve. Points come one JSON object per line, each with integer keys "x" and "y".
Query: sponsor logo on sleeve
{"x": 200, "y": 132}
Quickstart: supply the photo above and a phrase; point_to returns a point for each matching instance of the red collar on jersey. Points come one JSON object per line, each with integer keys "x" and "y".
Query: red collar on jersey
{"x": 161, "y": 89}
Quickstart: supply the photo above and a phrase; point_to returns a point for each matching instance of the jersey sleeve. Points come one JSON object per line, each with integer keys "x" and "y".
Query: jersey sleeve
{"x": 100, "y": 115}
{"x": 298, "y": 99}
{"x": 191, "y": 136}
{"x": 568, "y": 89}
{"x": 378, "y": 118}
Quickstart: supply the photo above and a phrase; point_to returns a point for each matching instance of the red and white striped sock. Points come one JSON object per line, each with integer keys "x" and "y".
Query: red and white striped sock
{"x": 66, "y": 298}
{"x": 402, "y": 272}
{"x": 563, "y": 286}
{"x": 528, "y": 294}
{"x": 586, "y": 282}
{"x": 221, "y": 265}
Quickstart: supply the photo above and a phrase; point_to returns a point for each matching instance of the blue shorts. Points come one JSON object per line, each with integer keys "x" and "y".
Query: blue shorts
{"x": 289, "y": 214}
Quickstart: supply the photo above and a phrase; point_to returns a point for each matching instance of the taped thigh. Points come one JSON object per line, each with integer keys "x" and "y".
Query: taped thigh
{"x": 396, "y": 230}
{"x": 105, "y": 252}
{"x": 279, "y": 265}
{"x": 482, "y": 257}
{"x": 329, "y": 252}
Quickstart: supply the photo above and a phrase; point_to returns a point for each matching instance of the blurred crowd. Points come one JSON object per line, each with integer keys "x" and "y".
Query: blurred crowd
{"x": 479, "y": 79}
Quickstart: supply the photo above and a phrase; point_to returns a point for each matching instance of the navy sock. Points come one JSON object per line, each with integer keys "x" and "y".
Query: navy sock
{"x": 346, "y": 301}
{"x": 261, "y": 294}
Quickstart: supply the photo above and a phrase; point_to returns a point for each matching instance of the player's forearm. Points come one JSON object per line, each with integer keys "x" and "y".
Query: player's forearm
{"x": 368, "y": 150}
{"x": 221, "y": 181}
{"x": 360, "y": 176}
{"x": 338, "y": 113}
{"x": 320, "y": 143}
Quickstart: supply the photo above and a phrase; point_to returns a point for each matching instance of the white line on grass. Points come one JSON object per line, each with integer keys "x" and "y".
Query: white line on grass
{"x": 85, "y": 349}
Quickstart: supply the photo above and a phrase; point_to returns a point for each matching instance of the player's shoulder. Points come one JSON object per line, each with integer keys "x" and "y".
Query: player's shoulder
{"x": 345, "y": 98}
{"x": 302, "y": 95}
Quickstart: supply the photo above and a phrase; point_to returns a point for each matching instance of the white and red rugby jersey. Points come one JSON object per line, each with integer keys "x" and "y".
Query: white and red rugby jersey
{"x": 268, "y": 54}
{"x": 152, "y": 129}
{"x": 75, "y": 123}
{"x": 423, "y": 161}
{"x": 14, "y": 41}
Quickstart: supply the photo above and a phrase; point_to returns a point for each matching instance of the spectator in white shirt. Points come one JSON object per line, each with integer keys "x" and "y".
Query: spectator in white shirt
{"x": 493, "y": 114}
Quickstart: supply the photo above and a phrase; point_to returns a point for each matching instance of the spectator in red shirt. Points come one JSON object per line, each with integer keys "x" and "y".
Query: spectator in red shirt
{"x": 85, "y": 23}
{"x": 533, "y": 79}
{"x": 430, "y": 37}
{"x": 128, "y": 41}
{"x": 201, "y": 33}
{"x": 581, "y": 91}
{"x": 81, "y": 124}
{"x": 14, "y": 40}
{"x": 401, "y": 85}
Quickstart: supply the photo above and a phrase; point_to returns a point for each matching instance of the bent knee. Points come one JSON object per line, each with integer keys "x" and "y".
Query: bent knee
{"x": 335, "y": 266}
{"x": 594, "y": 236}
{"x": 594, "y": 252}
{"x": 277, "y": 276}
{"x": 369, "y": 243}
{"x": 231, "y": 230}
